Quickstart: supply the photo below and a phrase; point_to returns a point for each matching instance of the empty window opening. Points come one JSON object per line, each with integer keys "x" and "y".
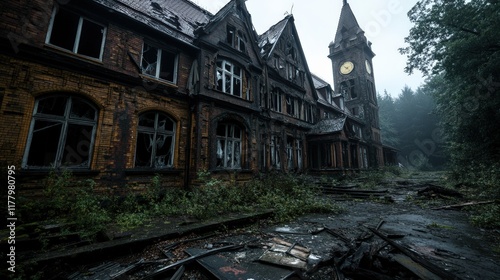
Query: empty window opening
{"x": 348, "y": 90}
{"x": 76, "y": 34}
{"x": 61, "y": 133}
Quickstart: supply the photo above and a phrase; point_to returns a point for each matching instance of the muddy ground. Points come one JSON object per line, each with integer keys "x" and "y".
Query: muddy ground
{"x": 420, "y": 243}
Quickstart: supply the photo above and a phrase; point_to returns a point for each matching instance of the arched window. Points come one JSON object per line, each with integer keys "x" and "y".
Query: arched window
{"x": 229, "y": 138}
{"x": 61, "y": 133}
{"x": 155, "y": 140}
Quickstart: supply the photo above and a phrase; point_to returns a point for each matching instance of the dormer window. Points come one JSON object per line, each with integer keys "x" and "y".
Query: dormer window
{"x": 76, "y": 34}
{"x": 236, "y": 39}
{"x": 241, "y": 41}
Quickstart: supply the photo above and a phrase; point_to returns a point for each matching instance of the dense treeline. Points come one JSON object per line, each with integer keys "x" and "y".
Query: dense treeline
{"x": 457, "y": 47}
{"x": 410, "y": 124}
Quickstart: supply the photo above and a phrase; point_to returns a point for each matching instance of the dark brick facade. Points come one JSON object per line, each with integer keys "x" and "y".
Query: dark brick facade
{"x": 220, "y": 101}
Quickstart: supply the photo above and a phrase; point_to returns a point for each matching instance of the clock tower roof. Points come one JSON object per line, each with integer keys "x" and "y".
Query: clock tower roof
{"x": 348, "y": 25}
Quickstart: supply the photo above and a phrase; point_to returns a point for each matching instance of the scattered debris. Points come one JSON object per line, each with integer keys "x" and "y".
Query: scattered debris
{"x": 460, "y": 205}
{"x": 434, "y": 191}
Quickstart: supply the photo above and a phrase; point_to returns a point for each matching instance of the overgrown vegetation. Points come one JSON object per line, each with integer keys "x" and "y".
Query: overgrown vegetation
{"x": 75, "y": 202}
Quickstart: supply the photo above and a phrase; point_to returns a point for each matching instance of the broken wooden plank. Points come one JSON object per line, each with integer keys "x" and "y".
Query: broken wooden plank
{"x": 414, "y": 267}
{"x": 416, "y": 257}
{"x": 190, "y": 259}
{"x": 179, "y": 273}
{"x": 126, "y": 269}
{"x": 285, "y": 243}
{"x": 281, "y": 258}
{"x": 460, "y": 205}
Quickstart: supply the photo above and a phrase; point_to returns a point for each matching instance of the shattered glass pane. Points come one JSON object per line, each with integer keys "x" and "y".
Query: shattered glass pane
{"x": 219, "y": 80}
{"x": 155, "y": 141}
{"x": 44, "y": 143}
{"x": 237, "y": 155}
{"x": 82, "y": 110}
{"x": 220, "y": 153}
{"x": 165, "y": 123}
{"x": 163, "y": 156}
{"x": 227, "y": 81}
{"x": 52, "y": 106}
{"x": 77, "y": 147}
{"x": 91, "y": 37}
{"x": 149, "y": 60}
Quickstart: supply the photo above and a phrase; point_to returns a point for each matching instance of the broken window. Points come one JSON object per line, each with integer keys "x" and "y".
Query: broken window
{"x": 348, "y": 90}
{"x": 61, "y": 133}
{"x": 276, "y": 100}
{"x": 298, "y": 151}
{"x": 228, "y": 146}
{"x": 159, "y": 63}
{"x": 229, "y": 78}
{"x": 275, "y": 152}
{"x": 242, "y": 39}
{"x": 155, "y": 141}
{"x": 76, "y": 34}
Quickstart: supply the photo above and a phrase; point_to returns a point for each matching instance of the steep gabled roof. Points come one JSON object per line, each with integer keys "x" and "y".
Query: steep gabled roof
{"x": 177, "y": 18}
{"x": 269, "y": 39}
{"x": 318, "y": 82}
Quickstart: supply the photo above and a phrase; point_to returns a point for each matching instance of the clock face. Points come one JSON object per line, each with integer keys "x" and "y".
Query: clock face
{"x": 346, "y": 67}
{"x": 368, "y": 67}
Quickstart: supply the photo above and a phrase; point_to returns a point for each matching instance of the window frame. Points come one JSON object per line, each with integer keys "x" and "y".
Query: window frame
{"x": 275, "y": 151}
{"x": 76, "y": 41}
{"x": 159, "y": 55}
{"x": 232, "y": 76}
{"x": 232, "y": 139}
{"x": 66, "y": 120}
{"x": 147, "y": 130}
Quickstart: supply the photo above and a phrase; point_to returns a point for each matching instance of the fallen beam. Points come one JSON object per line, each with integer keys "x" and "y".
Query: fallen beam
{"x": 460, "y": 205}
{"x": 417, "y": 258}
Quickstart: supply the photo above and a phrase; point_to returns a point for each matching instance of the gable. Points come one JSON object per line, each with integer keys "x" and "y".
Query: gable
{"x": 231, "y": 30}
{"x": 281, "y": 49}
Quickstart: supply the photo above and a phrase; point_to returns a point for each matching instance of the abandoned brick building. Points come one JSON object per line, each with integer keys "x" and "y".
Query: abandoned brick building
{"x": 121, "y": 90}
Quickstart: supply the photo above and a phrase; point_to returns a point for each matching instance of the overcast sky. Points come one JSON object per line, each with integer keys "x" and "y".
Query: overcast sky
{"x": 384, "y": 21}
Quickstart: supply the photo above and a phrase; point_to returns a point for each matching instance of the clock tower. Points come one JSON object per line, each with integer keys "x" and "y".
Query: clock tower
{"x": 353, "y": 75}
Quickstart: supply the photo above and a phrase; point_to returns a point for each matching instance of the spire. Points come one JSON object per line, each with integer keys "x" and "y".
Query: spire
{"x": 347, "y": 23}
